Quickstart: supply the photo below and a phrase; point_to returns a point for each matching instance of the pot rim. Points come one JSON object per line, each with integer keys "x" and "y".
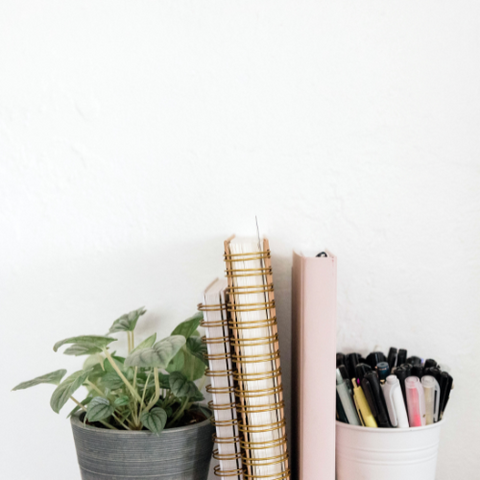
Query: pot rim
{"x": 75, "y": 420}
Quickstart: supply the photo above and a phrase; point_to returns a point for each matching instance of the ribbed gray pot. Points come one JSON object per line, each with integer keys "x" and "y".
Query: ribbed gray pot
{"x": 181, "y": 453}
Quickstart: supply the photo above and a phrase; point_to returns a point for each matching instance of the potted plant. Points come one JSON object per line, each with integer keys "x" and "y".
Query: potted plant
{"x": 140, "y": 417}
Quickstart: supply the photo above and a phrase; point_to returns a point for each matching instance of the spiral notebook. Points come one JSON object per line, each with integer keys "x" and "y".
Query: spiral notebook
{"x": 222, "y": 388}
{"x": 256, "y": 360}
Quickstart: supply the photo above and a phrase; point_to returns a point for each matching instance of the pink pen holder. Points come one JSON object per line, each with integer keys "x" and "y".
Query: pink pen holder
{"x": 364, "y": 453}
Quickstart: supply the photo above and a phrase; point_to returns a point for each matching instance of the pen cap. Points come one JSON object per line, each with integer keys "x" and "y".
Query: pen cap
{"x": 339, "y": 377}
{"x": 418, "y": 371}
{"x": 402, "y": 357}
{"x": 360, "y": 371}
{"x": 431, "y": 389}
{"x": 415, "y": 402}
{"x": 340, "y": 359}
{"x": 414, "y": 360}
{"x": 446, "y": 384}
{"x": 383, "y": 370}
{"x": 430, "y": 362}
{"x": 374, "y": 358}
{"x": 392, "y": 357}
{"x": 351, "y": 361}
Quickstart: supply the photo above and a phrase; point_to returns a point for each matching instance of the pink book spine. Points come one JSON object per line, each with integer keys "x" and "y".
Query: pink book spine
{"x": 314, "y": 305}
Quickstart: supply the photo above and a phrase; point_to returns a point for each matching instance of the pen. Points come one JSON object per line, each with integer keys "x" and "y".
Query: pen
{"x": 348, "y": 383}
{"x": 351, "y": 361}
{"x": 414, "y": 360}
{"x": 430, "y": 362}
{"x": 341, "y": 416}
{"x": 415, "y": 402}
{"x": 383, "y": 371}
{"x": 364, "y": 412}
{"x": 402, "y": 357}
{"x": 418, "y": 371}
{"x": 431, "y": 389}
{"x": 346, "y": 400}
{"x": 376, "y": 401}
{"x": 446, "y": 384}
{"x": 374, "y": 358}
{"x": 395, "y": 403}
{"x": 402, "y": 373}
{"x": 360, "y": 371}
{"x": 340, "y": 359}
{"x": 392, "y": 357}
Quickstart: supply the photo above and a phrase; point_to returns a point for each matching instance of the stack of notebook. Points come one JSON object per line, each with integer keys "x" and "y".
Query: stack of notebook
{"x": 244, "y": 366}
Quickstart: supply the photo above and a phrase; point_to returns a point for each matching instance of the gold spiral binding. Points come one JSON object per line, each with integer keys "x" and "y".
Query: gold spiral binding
{"x": 227, "y": 473}
{"x": 220, "y": 390}
{"x": 218, "y": 373}
{"x": 215, "y": 340}
{"x": 256, "y": 453}
{"x": 225, "y": 423}
{"x": 225, "y": 456}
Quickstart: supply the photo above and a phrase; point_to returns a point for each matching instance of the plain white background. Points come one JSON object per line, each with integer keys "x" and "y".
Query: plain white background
{"x": 136, "y": 136}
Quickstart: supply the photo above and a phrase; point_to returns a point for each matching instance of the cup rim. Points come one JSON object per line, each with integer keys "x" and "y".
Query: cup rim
{"x": 396, "y": 431}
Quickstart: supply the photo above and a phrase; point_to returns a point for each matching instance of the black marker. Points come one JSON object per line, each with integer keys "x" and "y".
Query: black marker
{"x": 376, "y": 400}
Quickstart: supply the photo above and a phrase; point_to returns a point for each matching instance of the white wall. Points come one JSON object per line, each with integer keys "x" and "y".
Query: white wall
{"x": 136, "y": 136}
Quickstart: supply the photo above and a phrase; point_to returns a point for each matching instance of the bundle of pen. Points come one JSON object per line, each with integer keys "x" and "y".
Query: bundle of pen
{"x": 392, "y": 391}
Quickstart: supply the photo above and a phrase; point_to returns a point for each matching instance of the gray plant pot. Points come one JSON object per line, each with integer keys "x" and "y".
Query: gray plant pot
{"x": 177, "y": 454}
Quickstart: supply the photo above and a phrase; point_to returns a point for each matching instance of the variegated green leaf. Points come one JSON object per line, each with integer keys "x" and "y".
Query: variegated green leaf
{"x": 99, "y": 409}
{"x": 157, "y": 356}
{"x": 67, "y": 388}
{"x": 147, "y": 343}
{"x": 53, "y": 378}
{"x": 127, "y": 322}
{"x": 90, "y": 341}
{"x": 154, "y": 420}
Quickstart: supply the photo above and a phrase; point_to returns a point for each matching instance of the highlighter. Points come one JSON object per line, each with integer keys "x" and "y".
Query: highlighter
{"x": 415, "y": 402}
{"x": 364, "y": 412}
{"x": 431, "y": 389}
{"x": 395, "y": 404}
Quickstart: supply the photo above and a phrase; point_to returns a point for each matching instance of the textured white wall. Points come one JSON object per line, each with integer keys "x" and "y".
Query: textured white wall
{"x": 136, "y": 136}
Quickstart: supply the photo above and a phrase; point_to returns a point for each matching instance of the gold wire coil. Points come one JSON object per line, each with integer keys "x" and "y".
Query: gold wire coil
{"x": 218, "y": 373}
{"x": 266, "y": 461}
{"x": 264, "y": 445}
{"x": 224, "y": 440}
{"x": 241, "y": 393}
{"x": 226, "y": 456}
{"x": 227, "y": 473}
{"x": 252, "y": 272}
{"x": 283, "y": 476}
{"x": 220, "y": 390}
{"x": 253, "y": 307}
{"x": 263, "y": 428}
{"x": 215, "y": 340}
{"x": 247, "y": 409}
{"x": 268, "y": 357}
{"x": 250, "y": 289}
{"x": 214, "y": 323}
{"x": 254, "y": 376}
{"x": 254, "y": 342}
{"x": 245, "y": 257}
{"x": 263, "y": 323}
{"x": 210, "y": 308}
{"x": 224, "y": 423}
{"x": 221, "y": 406}
{"x": 217, "y": 356}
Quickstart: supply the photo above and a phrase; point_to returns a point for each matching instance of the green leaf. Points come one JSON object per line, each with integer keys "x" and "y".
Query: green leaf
{"x": 147, "y": 343}
{"x": 112, "y": 381}
{"x": 181, "y": 387}
{"x": 86, "y": 340}
{"x": 99, "y": 409}
{"x": 159, "y": 355}
{"x": 52, "y": 378}
{"x": 185, "y": 362}
{"x": 67, "y": 388}
{"x": 187, "y": 327}
{"x": 84, "y": 402}
{"x": 80, "y": 349}
{"x": 127, "y": 322}
{"x": 92, "y": 360}
{"x": 197, "y": 348}
{"x": 154, "y": 420}
{"x": 121, "y": 401}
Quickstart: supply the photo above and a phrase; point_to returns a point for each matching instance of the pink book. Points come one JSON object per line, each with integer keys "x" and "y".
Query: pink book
{"x": 314, "y": 305}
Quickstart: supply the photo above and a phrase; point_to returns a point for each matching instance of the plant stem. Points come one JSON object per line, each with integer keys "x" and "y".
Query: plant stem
{"x": 179, "y": 412}
{"x": 84, "y": 409}
{"x": 122, "y": 376}
{"x": 135, "y": 378}
{"x": 119, "y": 421}
{"x": 88, "y": 382}
{"x": 154, "y": 400}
